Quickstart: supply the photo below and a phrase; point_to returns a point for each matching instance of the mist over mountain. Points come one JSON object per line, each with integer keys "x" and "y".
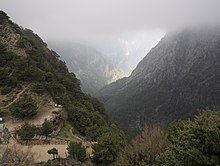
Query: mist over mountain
{"x": 175, "y": 79}
{"x": 90, "y": 66}
{"x": 127, "y": 50}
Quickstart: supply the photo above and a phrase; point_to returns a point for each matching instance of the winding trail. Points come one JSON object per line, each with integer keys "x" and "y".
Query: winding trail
{"x": 13, "y": 123}
{"x": 24, "y": 88}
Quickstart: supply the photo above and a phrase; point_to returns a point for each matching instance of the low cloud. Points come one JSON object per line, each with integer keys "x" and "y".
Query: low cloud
{"x": 83, "y": 18}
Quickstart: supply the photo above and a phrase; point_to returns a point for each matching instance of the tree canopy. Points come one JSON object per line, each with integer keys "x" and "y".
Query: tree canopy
{"x": 194, "y": 143}
{"x": 76, "y": 151}
{"x": 24, "y": 107}
{"x": 53, "y": 152}
{"x": 26, "y": 132}
{"x": 109, "y": 145}
{"x": 47, "y": 128}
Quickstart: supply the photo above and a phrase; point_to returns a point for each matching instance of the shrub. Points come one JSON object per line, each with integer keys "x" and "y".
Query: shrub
{"x": 25, "y": 107}
{"x": 76, "y": 151}
{"x": 26, "y": 132}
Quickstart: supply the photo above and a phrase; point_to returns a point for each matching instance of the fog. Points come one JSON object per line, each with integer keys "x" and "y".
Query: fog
{"x": 111, "y": 22}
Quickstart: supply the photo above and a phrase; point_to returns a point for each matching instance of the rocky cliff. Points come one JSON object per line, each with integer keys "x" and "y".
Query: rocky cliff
{"x": 175, "y": 79}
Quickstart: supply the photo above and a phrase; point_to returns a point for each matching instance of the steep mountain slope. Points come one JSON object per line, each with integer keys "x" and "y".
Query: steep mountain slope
{"x": 177, "y": 77}
{"x": 93, "y": 70}
{"x": 31, "y": 74}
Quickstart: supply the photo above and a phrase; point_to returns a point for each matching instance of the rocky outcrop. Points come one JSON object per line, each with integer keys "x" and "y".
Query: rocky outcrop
{"x": 9, "y": 38}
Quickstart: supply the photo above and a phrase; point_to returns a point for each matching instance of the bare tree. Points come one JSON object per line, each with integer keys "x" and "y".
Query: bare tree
{"x": 144, "y": 148}
{"x": 10, "y": 156}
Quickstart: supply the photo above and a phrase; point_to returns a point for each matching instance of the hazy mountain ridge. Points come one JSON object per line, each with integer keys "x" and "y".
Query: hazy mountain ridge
{"x": 177, "y": 77}
{"x": 93, "y": 70}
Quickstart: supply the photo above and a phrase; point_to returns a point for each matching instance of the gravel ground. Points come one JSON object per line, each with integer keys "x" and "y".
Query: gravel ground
{"x": 40, "y": 151}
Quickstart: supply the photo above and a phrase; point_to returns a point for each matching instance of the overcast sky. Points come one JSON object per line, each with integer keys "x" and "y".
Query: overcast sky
{"x": 76, "y": 18}
{"x": 102, "y": 19}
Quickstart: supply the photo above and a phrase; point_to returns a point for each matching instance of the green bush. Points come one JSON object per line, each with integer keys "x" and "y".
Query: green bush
{"x": 76, "y": 151}
{"x": 26, "y": 132}
{"x": 53, "y": 152}
{"x": 109, "y": 145}
{"x": 24, "y": 107}
{"x": 38, "y": 88}
{"x": 47, "y": 128}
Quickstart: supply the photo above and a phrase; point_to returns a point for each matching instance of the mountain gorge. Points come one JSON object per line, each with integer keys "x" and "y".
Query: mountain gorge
{"x": 46, "y": 119}
{"x": 176, "y": 78}
{"x": 89, "y": 65}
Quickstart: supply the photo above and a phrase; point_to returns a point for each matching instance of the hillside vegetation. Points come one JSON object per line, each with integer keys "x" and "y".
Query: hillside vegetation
{"x": 191, "y": 143}
{"x": 26, "y": 62}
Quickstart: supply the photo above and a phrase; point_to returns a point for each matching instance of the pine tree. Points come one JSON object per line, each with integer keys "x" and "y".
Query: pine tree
{"x": 47, "y": 128}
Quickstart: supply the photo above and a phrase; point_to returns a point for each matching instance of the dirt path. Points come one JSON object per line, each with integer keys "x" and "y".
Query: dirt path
{"x": 40, "y": 151}
{"x": 12, "y": 123}
{"x": 24, "y": 88}
{"x": 41, "y": 154}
